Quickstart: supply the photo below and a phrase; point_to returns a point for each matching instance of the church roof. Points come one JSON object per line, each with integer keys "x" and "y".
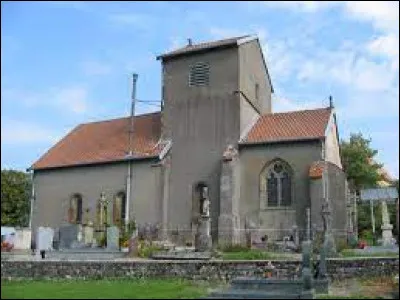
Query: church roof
{"x": 108, "y": 141}
{"x": 289, "y": 126}
{"x": 105, "y": 141}
{"x": 203, "y": 46}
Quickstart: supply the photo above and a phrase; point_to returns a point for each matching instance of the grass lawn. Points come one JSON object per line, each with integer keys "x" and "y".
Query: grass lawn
{"x": 351, "y": 253}
{"x": 255, "y": 254}
{"x": 105, "y": 289}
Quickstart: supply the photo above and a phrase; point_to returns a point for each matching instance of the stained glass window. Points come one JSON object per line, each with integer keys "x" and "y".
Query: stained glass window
{"x": 278, "y": 185}
{"x": 272, "y": 184}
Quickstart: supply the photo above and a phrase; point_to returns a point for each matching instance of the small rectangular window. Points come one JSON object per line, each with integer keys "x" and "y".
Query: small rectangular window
{"x": 199, "y": 74}
{"x": 257, "y": 91}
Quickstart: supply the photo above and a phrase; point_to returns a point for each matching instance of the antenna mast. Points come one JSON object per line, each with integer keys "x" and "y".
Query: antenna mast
{"x": 134, "y": 80}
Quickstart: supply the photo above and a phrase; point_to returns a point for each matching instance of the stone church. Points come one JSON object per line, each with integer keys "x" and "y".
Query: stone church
{"x": 216, "y": 132}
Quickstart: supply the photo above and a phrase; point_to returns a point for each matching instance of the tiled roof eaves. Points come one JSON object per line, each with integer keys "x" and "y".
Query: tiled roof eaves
{"x": 276, "y": 141}
{"x": 137, "y": 158}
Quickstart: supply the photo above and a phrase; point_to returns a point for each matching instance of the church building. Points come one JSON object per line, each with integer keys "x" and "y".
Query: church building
{"x": 216, "y": 133}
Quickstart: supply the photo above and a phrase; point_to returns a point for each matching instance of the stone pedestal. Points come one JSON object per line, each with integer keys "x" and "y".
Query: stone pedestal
{"x": 387, "y": 236}
{"x": 202, "y": 239}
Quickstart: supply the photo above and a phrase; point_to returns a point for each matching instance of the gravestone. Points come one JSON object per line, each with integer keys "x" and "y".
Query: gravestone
{"x": 68, "y": 235}
{"x": 387, "y": 236}
{"x": 88, "y": 235}
{"x": 22, "y": 239}
{"x": 44, "y": 238}
{"x": 112, "y": 238}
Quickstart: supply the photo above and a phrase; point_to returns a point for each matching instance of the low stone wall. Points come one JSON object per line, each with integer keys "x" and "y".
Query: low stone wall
{"x": 196, "y": 270}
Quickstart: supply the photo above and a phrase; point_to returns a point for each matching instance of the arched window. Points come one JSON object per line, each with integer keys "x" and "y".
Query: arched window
{"x": 276, "y": 188}
{"x": 119, "y": 208}
{"x": 75, "y": 209}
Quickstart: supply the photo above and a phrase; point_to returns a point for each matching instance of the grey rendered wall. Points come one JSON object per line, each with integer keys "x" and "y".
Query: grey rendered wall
{"x": 337, "y": 196}
{"x": 53, "y": 189}
{"x": 252, "y": 71}
{"x": 332, "y": 145}
{"x": 248, "y": 116}
{"x": 201, "y": 121}
{"x": 253, "y": 159}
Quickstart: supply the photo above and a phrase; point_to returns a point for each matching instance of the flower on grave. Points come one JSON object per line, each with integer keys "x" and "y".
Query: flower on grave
{"x": 362, "y": 244}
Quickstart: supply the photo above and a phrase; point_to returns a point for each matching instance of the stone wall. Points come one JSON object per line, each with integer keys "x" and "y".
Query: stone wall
{"x": 197, "y": 270}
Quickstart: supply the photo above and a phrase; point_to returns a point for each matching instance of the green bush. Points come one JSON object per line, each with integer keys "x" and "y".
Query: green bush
{"x": 368, "y": 236}
{"x": 146, "y": 249}
{"x": 341, "y": 244}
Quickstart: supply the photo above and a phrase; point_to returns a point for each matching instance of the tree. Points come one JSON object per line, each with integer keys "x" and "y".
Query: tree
{"x": 15, "y": 198}
{"x": 358, "y": 163}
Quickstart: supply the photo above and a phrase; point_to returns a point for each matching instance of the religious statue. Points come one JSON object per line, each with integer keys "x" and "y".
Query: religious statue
{"x": 205, "y": 203}
{"x": 206, "y": 208}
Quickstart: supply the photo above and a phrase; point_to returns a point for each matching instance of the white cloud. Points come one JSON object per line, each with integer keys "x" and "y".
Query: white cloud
{"x": 20, "y": 132}
{"x": 139, "y": 21}
{"x": 383, "y": 15}
{"x": 75, "y": 99}
{"x": 95, "y": 68}
{"x": 304, "y": 6}
{"x": 176, "y": 43}
{"x": 221, "y": 33}
{"x": 386, "y": 46}
{"x": 68, "y": 99}
{"x": 283, "y": 104}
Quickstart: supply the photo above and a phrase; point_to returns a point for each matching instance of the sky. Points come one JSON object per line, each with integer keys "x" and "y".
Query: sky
{"x": 65, "y": 63}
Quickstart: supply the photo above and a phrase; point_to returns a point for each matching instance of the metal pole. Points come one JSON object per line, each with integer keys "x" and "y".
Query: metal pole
{"x": 130, "y": 152}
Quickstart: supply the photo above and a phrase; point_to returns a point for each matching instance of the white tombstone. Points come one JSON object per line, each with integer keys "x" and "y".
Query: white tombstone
{"x": 387, "y": 236}
{"x": 88, "y": 235}
{"x": 44, "y": 238}
{"x": 22, "y": 240}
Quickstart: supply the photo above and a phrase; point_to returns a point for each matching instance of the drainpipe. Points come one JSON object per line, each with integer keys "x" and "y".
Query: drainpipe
{"x": 130, "y": 152}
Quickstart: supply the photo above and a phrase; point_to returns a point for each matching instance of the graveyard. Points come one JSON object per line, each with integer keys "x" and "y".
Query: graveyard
{"x": 70, "y": 262}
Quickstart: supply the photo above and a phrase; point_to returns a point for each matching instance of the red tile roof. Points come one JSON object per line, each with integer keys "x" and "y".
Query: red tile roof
{"x": 316, "y": 170}
{"x": 105, "y": 141}
{"x": 297, "y": 125}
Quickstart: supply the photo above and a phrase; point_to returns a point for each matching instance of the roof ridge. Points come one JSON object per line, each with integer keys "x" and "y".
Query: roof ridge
{"x": 121, "y": 118}
{"x": 202, "y": 46}
{"x": 220, "y": 40}
{"x": 296, "y": 111}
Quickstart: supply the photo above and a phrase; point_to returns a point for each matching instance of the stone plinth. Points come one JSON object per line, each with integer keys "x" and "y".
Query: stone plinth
{"x": 387, "y": 236}
{"x": 202, "y": 239}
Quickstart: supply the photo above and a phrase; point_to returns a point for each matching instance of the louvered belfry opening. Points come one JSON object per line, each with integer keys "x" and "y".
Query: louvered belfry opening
{"x": 199, "y": 74}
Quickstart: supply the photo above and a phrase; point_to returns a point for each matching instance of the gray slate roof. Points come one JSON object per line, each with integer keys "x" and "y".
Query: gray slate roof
{"x": 203, "y": 46}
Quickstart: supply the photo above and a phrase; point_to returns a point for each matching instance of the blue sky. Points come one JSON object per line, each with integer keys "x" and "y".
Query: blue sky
{"x": 65, "y": 63}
